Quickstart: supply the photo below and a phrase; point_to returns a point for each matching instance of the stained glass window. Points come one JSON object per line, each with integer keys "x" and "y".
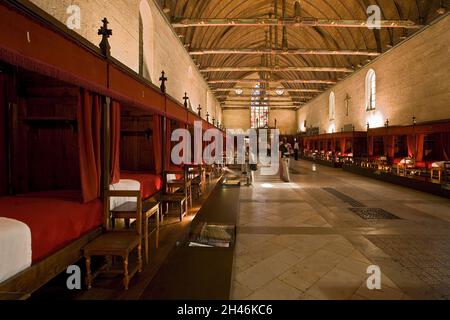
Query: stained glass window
{"x": 259, "y": 108}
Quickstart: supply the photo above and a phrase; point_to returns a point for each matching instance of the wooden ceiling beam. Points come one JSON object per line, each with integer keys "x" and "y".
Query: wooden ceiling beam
{"x": 285, "y": 89}
{"x": 270, "y": 104}
{"x": 232, "y": 101}
{"x": 276, "y": 69}
{"x": 224, "y": 81}
{"x": 289, "y": 22}
{"x": 201, "y": 52}
{"x": 271, "y": 109}
{"x": 271, "y": 97}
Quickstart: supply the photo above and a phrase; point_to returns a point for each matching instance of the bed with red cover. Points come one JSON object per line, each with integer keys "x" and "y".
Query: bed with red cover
{"x": 150, "y": 183}
{"x": 55, "y": 218}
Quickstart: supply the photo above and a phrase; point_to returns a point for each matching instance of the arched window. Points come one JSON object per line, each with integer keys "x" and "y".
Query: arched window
{"x": 332, "y": 106}
{"x": 371, "y": 90}
{"x": 146, "y": 47}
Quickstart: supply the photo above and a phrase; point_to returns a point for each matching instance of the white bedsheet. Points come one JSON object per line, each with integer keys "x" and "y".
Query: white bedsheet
{"x": 15, "y": 247}
{"x": 123, "y": 185}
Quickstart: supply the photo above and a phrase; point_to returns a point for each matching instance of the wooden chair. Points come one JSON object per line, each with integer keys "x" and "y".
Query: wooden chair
{"x": 181, "y": 185}
{"x": 150, "y": 209}
{"x": 197, "y": 176}
{"x": 117, "y": 243}
{"x": 209, "y": 173}
{"x": 179, "y": 199}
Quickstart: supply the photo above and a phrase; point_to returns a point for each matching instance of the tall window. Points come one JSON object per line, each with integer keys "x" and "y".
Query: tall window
{"x": 371, "y": 90}
{"x": 332, "y": 106}
{"x": 259, "y": 107}
{"x": 146, "y": 47}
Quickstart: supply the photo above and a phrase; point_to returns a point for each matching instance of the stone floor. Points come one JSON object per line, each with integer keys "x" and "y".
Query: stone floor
{"x": 300, "y": 240}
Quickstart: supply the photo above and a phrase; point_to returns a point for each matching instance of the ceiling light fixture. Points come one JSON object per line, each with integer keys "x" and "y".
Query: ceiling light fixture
{"x": 239, "y": 91}
{"x": 279, "y": 91}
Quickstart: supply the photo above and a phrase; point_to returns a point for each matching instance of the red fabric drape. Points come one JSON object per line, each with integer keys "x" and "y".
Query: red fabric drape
{"x": 3, "y": 173}
{"x": 411, "y": 146}
{"x": 370, "y": 146}
{"x": 343, "y": 145}
{"x": 389, "y": 146}
{"x": 157, "y": 143}
{"x": 89, "y": 144}
{"x": 420, "y": 138}
{"x": 115, "y": 142}
{"x": 415, "y": 146}
{"x": 445, "y": 145}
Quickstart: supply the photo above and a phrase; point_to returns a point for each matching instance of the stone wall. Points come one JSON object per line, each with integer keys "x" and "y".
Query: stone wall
{"x": 144, "y": 41}
{"x": 413, "y": 79}
{"x": 240, "y": 119}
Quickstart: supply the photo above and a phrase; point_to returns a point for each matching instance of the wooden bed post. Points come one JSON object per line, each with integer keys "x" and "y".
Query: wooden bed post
{"x": 106, "y": 113}
{"x": 164, "y": 167}
{"x": 11, "y": 124}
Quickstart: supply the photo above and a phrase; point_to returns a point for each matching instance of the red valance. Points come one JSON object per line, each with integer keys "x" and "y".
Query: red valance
{"x": 89, "y": 144}
{"x": 134, "y": 93}
{"x": 115, "y": 142}
{"x": 176, "y": 111}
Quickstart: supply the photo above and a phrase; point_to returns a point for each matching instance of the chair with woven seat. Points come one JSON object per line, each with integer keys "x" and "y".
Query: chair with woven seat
{"x": 117, "y": 243}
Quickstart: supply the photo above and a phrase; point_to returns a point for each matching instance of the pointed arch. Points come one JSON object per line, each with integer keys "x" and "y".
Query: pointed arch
{"x": 146, "y": 41}
{"x": 371, "y": 90}
{"x": 332, "y": 106}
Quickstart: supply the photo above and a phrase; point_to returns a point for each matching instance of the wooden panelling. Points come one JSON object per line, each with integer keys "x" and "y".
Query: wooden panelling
{"x": 136, "y": 143}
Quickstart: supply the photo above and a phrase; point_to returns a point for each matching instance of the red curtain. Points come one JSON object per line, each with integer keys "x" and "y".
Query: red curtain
{"x": 420, "y": 138}
{"x": 411, "y": 146}
{"x": 89, "y": 144}
{"x": 115, "y": 142}
{"x": 157, "y": 143}
{"x": 389, "y": 146}
{"x": 445, "y": 145}
{"x": 343, "y": 145}
{"x": 370, "y": 147}
{"x": 415, "y": 146}
{"x": 3, "y": 142}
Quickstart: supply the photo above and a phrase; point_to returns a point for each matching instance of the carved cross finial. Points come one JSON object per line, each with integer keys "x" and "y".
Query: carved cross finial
{"x": 163, "y": 80}
{"x": 199, "y": 111}
{"x": 105, "y": 33}
{"x": 185, "y": 98}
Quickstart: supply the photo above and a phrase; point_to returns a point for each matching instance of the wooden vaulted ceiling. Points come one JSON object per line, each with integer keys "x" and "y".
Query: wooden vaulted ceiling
{"x": 302, "y": 74}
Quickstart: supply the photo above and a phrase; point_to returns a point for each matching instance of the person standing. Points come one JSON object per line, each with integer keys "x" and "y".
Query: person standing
{"x": 296, "y": 149}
